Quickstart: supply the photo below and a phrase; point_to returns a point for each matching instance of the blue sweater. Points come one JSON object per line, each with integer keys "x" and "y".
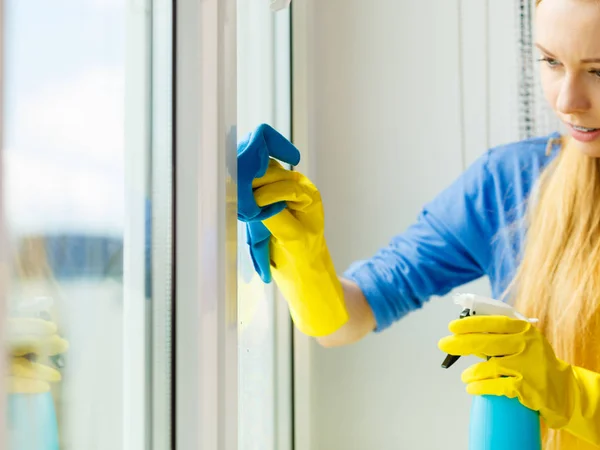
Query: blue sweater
{"x": 468, "y": 231}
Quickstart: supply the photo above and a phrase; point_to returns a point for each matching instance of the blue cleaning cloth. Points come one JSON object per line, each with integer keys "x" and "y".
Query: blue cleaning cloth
{"x": 253, "y": 155}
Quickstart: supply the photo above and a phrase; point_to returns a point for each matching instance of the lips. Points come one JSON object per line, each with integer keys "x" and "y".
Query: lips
{"x": 584, "y": 134}
{"x": 584, "y": 129}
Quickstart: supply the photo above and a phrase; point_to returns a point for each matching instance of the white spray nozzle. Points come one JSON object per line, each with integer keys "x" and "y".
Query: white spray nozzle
{"x": 33, "y": 307}
{"x": 477, "y": 305}
{"x": 484, "y": 306}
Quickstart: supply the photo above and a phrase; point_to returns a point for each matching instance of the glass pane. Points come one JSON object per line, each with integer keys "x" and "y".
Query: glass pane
{"x": 264, "y": 333}
{"x": 76, "y": 183}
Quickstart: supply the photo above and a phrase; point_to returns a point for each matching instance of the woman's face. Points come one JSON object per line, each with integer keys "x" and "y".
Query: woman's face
{"x": 568, "y": 40}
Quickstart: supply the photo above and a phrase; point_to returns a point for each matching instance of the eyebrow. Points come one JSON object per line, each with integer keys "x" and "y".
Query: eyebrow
{"x": 585, "y": 61}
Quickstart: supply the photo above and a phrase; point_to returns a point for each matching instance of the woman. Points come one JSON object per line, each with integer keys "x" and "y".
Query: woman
{"x": 527, "y": 215}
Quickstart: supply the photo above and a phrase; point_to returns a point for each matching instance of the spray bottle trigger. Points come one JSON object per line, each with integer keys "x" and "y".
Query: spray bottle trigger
{"x": 451, "y": 359}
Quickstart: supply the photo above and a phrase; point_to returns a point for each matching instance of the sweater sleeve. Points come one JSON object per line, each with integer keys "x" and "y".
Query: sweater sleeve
{"x": 447, "y": 246}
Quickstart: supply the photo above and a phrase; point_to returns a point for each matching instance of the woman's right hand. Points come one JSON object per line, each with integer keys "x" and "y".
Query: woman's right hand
{"x": 29, "y": 341}
{"x": 300, "y": 261}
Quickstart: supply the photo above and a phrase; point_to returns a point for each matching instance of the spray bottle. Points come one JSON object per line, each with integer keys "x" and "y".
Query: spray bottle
{"x": 497, "y": 423}
{"x": 32, "y": 423}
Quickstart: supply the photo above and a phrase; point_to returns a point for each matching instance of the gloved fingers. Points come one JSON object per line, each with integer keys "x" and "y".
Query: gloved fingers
{"x": 297, "y": 197}
{"x": 275, "y": 172}
{"x": 285, "y": 227}
{"x": 26, "y": 386}
{"x": 29, "y": 326}
{"x": 488, "y": 370}
{"x": 495, "y": 378}
{"x": 488, "y": 324}
{"x": 32, "y": 335}
{"x": 506, "y": 387}
{"x": 482, "y": 344}
{"x": 39, "y": 345}
{"x": 28, "y": 377}
{"x": 258, "y": 238}
{"x": 23, "y": 368}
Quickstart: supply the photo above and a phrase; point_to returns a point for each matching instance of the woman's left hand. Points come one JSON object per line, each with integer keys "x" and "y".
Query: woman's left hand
{"x": 522, "y": 364}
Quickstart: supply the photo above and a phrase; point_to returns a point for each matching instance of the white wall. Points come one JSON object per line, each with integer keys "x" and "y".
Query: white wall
{"x": 392, "y": 100}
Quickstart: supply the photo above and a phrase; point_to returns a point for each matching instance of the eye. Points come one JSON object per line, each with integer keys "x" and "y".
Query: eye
{"x": 551, "y": 62}
{"x": 595, "y": 72}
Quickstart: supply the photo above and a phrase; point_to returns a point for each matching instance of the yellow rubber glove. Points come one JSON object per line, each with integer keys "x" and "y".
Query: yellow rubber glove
{"x": 522, "y": 364}
{"x": 28, "y": 339}
{"x": 300, "y": 260}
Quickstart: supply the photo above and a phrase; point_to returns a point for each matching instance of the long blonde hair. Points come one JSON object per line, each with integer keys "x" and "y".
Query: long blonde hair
{"x": 558, "y": 280}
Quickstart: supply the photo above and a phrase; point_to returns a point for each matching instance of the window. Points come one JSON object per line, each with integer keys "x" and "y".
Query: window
{"x": 118, "y": 188}
{"x": 88, "y": 220}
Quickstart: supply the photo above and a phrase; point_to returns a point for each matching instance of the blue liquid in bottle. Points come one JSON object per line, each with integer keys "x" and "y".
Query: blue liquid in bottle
{"x": 502, "y": 423}
{"x": 32, "y": 422}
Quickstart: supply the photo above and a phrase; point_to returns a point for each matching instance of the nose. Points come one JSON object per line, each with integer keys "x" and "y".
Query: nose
{"x": 573, "y": 96}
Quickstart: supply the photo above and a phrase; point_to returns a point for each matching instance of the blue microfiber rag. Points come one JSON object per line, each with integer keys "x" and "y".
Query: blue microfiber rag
{"x": 253, "y": 155}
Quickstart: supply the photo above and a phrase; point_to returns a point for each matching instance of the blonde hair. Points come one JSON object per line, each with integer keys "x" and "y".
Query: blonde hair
{"x": 558, "y": 279}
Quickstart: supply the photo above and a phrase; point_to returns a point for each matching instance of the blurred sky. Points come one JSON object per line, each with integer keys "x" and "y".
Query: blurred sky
{"x": 64, "y": 113}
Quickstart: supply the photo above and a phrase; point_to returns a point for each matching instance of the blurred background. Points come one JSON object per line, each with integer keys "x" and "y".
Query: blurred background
{"x": 388, "y": 103}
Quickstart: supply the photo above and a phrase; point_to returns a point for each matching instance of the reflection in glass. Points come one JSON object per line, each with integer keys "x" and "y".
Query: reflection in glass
{"x": 65, "y": 194}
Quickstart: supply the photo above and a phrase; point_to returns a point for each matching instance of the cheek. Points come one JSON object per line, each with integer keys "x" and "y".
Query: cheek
{"x": 595, "y": 97}
{"x": 550, "y": 82}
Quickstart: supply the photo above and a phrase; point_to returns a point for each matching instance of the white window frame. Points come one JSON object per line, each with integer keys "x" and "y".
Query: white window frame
{"x": 206, "y": 225}
{"x": 136, "y": 335}
{"x": 303, "y": 138}
{"x": 284, "y": 330}
{"x": 161, "y": 421}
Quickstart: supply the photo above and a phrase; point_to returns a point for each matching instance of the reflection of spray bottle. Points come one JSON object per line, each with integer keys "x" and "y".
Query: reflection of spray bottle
{"x": 32, "y": 423}
{"x": 497, "y": 423}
